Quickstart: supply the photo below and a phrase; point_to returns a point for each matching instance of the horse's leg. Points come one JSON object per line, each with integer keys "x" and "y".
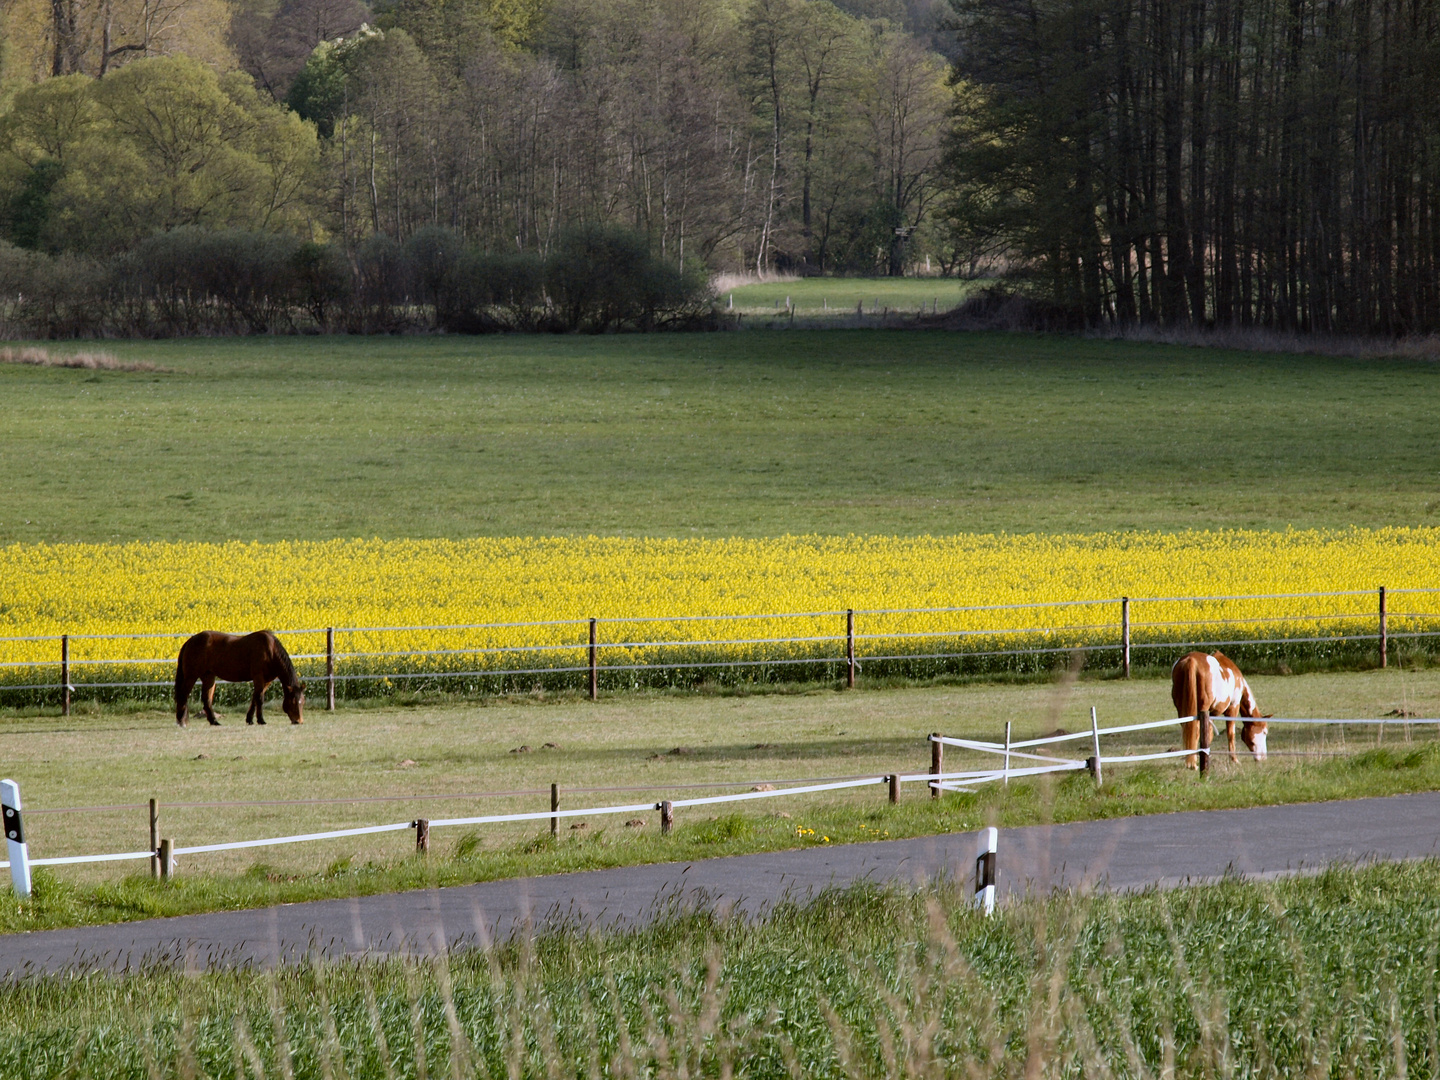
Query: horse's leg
{"x": 182, "y": 700}
{"x": 257, "y": 700}
{"x": 1190, "y": 740}
{"x": 207, "y": 698}
{"x": 1230, "y": 736}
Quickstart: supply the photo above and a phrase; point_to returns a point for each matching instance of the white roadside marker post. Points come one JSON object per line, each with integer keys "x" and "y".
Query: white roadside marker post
{"x": 985, "y": 870}
{"x": 15, "y": 837}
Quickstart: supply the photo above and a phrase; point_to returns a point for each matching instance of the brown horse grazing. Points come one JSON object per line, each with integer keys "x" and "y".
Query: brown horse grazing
{"x": 257, "y": 658}
{"x": 1212, "y": 682}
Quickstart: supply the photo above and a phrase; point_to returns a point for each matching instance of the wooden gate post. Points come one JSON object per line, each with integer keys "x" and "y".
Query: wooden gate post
{"x": 330, "y": 669}
{"x": 1384, "y": 631}
{"x": 594, "y": 666}
{"x": 937, "y": 761}
{"x": 1204, "y": 717}
{"x": 667, "y": 817}
{"x": 554, "y": 805}
{"x": 64, "y": 674}
{"x": 1125, "y": 634}
{"x": 167, "y": 859}
{"x": 422, "y": 836}
{"x": 894, "y": 787}
{"x": 850, "y": 649}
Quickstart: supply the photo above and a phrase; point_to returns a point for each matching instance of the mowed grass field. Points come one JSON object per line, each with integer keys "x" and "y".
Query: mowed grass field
{"x": 734, "y": 434}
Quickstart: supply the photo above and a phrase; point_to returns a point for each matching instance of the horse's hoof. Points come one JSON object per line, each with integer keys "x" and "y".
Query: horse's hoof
{"x": 260, "y": 721}
{"x": 214, "y": 723}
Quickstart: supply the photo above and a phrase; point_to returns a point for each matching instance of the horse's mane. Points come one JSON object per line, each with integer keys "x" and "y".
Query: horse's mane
{"x": 286, "y": 665}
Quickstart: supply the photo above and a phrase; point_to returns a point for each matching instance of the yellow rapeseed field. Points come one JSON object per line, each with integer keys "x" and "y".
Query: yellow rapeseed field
{"x": 650, "y": 590}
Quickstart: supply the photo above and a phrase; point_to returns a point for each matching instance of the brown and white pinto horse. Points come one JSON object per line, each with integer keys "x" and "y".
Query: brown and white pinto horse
{"x": 1212, "y": 682}
{"x": 257, "y": 658}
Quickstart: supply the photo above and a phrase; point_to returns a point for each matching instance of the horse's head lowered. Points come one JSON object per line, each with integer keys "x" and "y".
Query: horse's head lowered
{"x": 294, "y": 702}
{"x": 1252, "y": 731}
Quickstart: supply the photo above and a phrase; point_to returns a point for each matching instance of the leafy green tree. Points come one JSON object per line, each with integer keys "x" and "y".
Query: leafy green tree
{"x": 172, "y": 144}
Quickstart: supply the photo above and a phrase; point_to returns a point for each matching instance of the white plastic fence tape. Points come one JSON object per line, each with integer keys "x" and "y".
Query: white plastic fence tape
{"x": 271, "y": 841}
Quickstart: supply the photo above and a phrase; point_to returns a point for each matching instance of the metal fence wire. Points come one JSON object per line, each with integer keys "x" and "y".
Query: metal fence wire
{"x": 622, "y": 652}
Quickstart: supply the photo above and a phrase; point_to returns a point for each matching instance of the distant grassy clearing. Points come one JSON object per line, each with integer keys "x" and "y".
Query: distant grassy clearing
{"x": 839, "y": 296}
{"x": 116, "y": 758}
{"x": 738, "y": 434}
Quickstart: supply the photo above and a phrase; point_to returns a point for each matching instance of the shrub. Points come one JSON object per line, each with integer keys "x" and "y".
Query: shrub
{"x": 605, "y": 277}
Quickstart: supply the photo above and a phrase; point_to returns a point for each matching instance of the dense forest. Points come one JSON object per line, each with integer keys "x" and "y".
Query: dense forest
{"x": 1231, "y": 162}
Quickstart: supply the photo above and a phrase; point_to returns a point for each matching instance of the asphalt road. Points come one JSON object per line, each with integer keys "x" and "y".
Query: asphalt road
{"x": 1121, "y": 854}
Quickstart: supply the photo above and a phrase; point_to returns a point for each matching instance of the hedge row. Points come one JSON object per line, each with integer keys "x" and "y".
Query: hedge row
{"x": 190, "y": 281}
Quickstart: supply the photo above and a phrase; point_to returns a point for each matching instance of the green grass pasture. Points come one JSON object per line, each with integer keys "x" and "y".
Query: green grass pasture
{"x": 733, "y": 434}
{"x": 820, "y": 297}
{"x": 642, "y": 748}
{"x": 1332, "y": 976}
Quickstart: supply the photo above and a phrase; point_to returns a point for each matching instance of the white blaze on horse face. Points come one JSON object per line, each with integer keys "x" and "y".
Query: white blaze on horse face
{"x": 1259, "y": 739}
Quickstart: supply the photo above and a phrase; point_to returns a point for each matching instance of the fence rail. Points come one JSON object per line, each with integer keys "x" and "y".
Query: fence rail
{"x": 937, "y": 780}
{"x": 892, "y": 640}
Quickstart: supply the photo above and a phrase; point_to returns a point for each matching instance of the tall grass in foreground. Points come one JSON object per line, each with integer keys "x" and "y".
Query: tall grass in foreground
{"x": 1325, "y": 976}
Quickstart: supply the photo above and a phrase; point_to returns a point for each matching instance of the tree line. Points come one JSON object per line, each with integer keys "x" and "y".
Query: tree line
{"x": 769, "y": 134}
{"x": 1267, "y": 163}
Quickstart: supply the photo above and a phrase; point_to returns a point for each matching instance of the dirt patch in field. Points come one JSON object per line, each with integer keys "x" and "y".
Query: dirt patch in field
{"x": 93, "y": 361}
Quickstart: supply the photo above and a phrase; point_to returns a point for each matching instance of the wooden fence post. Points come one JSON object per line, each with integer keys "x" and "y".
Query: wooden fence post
{"x": 894, "y": 787}
{"x": 64, "y": 674}
{"x": 167, "y": 859}
{"x": 1125, "y": 634}
{"x": 330, "y": 668}
{"x": 1204, "y": 718}
{"x": 154, "y": 839}
{"x": 554, "y": 805}
{"x": 1384, "y": 631}
{"x": 422, "y": 836}
{"x": 667, "y": 817}
{"x": 937, "y": 761}
{"x": 850, "y": 649}
{"x": 594, "y": 667}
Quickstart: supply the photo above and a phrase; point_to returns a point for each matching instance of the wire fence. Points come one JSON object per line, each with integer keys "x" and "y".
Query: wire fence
{"x": 634, "y": 651}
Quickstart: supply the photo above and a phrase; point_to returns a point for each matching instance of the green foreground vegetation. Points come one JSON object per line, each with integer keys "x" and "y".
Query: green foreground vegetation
{"x": 737, "y": 434}
{"x": 622, "y": 751}
{"x": 1326, "y": 976}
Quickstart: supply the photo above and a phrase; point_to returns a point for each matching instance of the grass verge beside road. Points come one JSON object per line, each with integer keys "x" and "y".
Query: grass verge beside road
{"x": 1325, "y": 976}
{"x": 648, "y": 747}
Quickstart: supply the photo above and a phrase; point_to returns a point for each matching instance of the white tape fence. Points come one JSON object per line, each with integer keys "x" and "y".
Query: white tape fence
{"x": 966, "y": 780}
{"x": 937, "y": 780}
